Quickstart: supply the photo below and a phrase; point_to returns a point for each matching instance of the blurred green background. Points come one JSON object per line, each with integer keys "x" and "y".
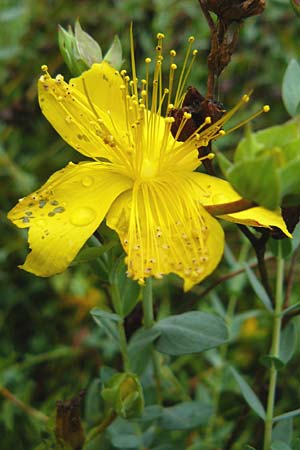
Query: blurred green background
{"x": 50, "y": 348}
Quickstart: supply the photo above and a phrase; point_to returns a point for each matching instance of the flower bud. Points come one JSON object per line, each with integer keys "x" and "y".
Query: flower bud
{"x": 80, "y": 51}
{"x": 236, "y": 10}
{"x": 123, "y": 394}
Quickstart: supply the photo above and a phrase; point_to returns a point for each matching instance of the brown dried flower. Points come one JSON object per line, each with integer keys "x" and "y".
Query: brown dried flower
{"x": 235, "y": 10}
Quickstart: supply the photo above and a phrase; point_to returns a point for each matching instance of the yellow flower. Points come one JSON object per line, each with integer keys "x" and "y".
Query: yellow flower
{"x": 139, "y": 177}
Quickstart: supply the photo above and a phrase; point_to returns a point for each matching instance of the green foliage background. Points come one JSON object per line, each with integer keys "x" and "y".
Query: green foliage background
{"x": 50, "y": 348}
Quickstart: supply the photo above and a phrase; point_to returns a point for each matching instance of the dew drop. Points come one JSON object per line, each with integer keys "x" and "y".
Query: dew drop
{"x": 87, "y": 181}
{"x": 82, "y": 216}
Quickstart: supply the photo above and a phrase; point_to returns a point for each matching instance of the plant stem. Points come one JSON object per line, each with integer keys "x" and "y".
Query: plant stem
{"x": 274, "y": 350}
{"x": 101, "y": 427}
{"x": 28, "y": 409}
{"x": 123, "y": 346}
{"x": 148, "y": 323}
{"x": 148, "y": 304}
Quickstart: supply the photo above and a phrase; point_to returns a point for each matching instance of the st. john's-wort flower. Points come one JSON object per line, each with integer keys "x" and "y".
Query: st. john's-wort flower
{"x": 139, "y": 177}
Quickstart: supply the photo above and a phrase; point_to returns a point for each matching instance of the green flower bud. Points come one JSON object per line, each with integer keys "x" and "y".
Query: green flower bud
{"x": 114, "y": 54}
{"x": 296, "y": 6}
{"x": 123, "y": 394}
{"x": 79, "y": 50}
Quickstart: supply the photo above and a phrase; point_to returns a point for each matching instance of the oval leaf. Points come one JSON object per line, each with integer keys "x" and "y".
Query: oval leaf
{"x": 191, "y": 332}
{"x": 291, "y": 87}
{"x": 185, "y": 416}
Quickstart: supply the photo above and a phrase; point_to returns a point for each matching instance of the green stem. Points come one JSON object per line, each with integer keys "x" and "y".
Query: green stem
{"x": 123, "y": 346}
{"x": 148, "y": 323}
{"x": 274, "y": 351}
{"x": 101, "y": 427}
{"x": 148, "y": 304}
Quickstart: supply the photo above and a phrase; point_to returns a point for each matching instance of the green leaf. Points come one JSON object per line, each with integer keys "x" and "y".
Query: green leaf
{"x": 248, "y": 447}
{"x": 125, "y": 441}
{"x": 151, "y": 413}
{"x": 191, "y": 332}
{"x": 278, "y": 135}
{"x": 280, "y": 445}
{"x": 139, "y": 348}
{"x": 294, "y": 413}
{"x": 248, "y": 147}
{"x": 92, "y": 403}
{"x": 224, "y": 163}
{"x": 91, "y": 253}
{"x": 269, "y": 361}
{"x": 107, "y": 321}
{"x": 283, "y": 431}
{"x": 258, "y": 288}
{"x": 282, "y": 247}
{"x": 291, "y": 87}
{"x": 291, "y": 308}
{"x": 125, "y": 291}
{"x": 185, "y": 416}
{"x": 290, "y": 182}
{"x": 288, "y": 342}
{"x": 257, "y": 180}
{"x": 249, "y": 395}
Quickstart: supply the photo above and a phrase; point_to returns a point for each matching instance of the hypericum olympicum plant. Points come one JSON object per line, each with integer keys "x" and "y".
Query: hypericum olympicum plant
{"x": 139, "y": 177}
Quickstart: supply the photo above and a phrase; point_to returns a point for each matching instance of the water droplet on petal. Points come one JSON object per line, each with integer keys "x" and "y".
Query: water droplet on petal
{"x": 82, "y": 216}
{"x": 87, "y": 181}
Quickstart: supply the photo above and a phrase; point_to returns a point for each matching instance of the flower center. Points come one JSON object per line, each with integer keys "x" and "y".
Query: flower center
{"x": 149, "y": 169}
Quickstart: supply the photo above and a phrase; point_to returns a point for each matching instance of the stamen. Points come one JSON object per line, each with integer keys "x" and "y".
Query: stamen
{"x": 133, "y": 66}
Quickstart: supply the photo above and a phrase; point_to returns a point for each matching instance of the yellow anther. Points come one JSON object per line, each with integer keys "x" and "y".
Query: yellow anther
{"x": 207, "y": 120}
{"x": 195, "y": 52}
{"x": 266, "y": 108}
{"x": 127, "y": 78}
{"x": 160, "y": 36}
{"x": 166, "y": 90}
{"x": 148, "y": 60}
{"x": 246, "y": 98}
{"x": 170, "y": 106}
{"x": 191, "y": 39}
{"x": 144, "y": 81}
{"x": 173, "y": 66}
{"x": 170, "y": 119}
{"x": 172, "y": 53}
{"x": 123, "y": 72}
{"x": 222, "y": 133}
{"x": 144, "y": 93}
{"x": 187, "y": 115}
{"x": 210, "y": 156}
{"x": 44, "y": 68}
{"x": 59, "y": 78}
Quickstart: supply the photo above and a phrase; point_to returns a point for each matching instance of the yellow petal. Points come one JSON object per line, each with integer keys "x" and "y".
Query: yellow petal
{"x": 164, "y": 229}
{"x": 215, "y": 191}
{"x": 83, "y": 124}
{"x": 64, "y": 213}
{"x": 102, "y": 82}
